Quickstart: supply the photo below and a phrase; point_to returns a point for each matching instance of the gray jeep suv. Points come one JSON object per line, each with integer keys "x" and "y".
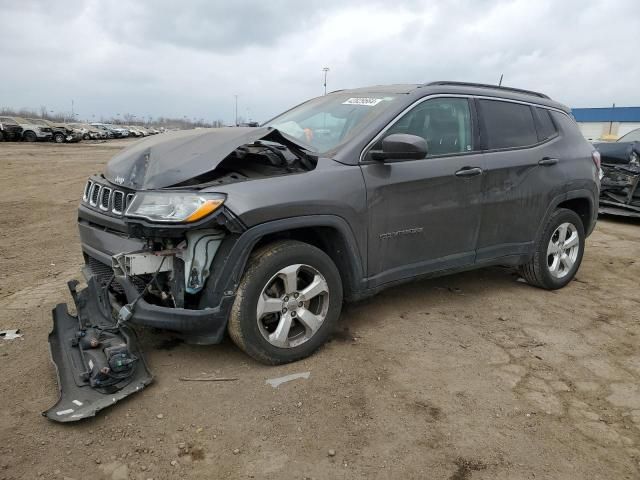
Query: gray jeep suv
{"x": 263, "y": 232}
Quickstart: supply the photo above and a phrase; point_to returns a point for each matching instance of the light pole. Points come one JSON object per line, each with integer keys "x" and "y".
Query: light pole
{"x": 325, "y": 70}
{"x": 236, "y": 110}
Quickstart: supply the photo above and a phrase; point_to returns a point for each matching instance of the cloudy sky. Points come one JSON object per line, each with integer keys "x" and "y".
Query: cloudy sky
{"x": 190, "y": 57}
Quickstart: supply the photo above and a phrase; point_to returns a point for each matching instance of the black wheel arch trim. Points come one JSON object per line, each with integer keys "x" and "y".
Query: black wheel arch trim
{"x": 232, "y": 256}
{"x": 580, "y": 193}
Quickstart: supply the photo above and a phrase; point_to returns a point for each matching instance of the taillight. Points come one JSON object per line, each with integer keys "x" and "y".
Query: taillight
{"x": 595, "y": 155}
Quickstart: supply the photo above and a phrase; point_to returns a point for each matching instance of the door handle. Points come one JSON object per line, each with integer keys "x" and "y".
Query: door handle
{"x": 469, "y": 172}
{"x": 547, "y": 162}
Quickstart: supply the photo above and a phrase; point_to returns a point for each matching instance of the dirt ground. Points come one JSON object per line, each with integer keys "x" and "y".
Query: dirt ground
{"x": 472, "y": 376}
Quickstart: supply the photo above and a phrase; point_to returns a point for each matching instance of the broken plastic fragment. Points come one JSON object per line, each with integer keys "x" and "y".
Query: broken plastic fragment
{"x": 10, "y": 334}
{"x": 276, "y": 382}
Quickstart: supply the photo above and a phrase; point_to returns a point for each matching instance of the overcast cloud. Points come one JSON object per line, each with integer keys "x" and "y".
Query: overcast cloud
{"x": 189, "y": 57}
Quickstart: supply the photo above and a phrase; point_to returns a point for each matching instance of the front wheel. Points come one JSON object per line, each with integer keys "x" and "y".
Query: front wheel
{"x": 287, "y": 303}
{"x": 30, "y": 136}
{"x": 558, "y": 251}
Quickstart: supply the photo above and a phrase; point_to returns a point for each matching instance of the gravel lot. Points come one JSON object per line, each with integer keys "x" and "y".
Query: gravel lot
{"x": 473, "y": 376}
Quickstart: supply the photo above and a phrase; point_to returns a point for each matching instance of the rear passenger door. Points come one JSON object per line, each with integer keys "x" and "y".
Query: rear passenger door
{"x": 521, "y": 175}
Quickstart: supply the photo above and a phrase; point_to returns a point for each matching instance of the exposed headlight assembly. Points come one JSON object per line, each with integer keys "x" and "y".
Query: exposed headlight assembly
{"x": 173, "y": 207}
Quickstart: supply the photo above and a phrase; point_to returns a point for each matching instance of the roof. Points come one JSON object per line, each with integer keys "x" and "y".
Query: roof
{"x": 444, "y": 87}
{"x": 394, "y": 88}
{"x": 609, "y": 114}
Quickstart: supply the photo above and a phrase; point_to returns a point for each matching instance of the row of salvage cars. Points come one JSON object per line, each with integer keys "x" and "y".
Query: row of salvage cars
{"x": 620, "y": 184}
{"x": 39, "y": 129}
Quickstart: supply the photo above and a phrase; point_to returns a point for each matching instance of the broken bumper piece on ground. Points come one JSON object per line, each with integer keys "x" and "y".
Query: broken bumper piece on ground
{"x": 98, "y": 362}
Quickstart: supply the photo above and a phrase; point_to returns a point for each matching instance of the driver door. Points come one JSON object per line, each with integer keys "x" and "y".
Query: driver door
{"x": 424, "y": 215}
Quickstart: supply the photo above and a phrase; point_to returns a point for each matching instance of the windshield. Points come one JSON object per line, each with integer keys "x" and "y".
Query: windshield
{"x": 38, "y": 121}
{"x": 326, "y": 122}
{"x": 632, "y": 136}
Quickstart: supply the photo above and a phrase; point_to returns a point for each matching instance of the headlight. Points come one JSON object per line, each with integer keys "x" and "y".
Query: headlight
{"x": 173, "y": 207}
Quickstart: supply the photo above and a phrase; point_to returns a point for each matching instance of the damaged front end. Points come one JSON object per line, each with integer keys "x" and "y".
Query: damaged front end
{"x": 620, "y": 190}
{"x": 160, "y": 250}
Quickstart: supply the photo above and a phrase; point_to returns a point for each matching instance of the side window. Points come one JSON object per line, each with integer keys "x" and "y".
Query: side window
{"x": 444, "y": 123}
{"x": 507, "y": 125}
{"x": 544, "y": 124}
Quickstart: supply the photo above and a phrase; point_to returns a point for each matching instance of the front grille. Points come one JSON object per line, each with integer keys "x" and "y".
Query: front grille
{"x": 105, "y": 195}
{"x": 95, "y": 195}
{"x": 118, "y": 202}
{"x": 106, "y": 198}
{"x": 87, "y": 191}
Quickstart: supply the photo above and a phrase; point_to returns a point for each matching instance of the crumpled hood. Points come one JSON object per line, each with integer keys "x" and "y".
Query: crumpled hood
{"x": 173, "y": 158}
{"x": 617, "y": 152}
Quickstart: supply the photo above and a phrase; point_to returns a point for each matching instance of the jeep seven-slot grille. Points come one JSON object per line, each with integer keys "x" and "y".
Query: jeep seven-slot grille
{"x": 118, "y": 202}
{"x": 106, "y": 198}
{"x": 87, "y": 191}
{"x": 95, "y": 195}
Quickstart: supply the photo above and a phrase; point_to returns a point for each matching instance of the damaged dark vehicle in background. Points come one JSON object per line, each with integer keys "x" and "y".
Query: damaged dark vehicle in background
{"x": 620, "y": 184}
{"x": 263, "y": 232}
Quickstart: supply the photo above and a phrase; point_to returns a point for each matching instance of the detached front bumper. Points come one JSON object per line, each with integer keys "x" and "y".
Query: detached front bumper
{"x": 98, "y": 361}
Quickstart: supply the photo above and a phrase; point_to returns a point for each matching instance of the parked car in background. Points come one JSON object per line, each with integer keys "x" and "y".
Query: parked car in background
{"x": 115, "y": 130}
{"x": 32, "y": 132}
{"x": 620, "y": 184}
{"x": 89, "y": 132}
{"x": 9, "y": 129}
{"x": 61, "y": 131}
{"x": 103, "y": 129}
{"x": 133, "y": 131}
{"x": 119, "y": 131}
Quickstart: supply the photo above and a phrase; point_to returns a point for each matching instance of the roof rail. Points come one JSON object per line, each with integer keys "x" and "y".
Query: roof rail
{"x": 484, "y": 85}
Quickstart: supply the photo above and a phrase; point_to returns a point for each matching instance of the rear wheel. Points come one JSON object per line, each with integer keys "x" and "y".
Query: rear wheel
{"x": 30, "y": 136}
{"x": 287, "y": 303}
{"x": 558, "y": 251}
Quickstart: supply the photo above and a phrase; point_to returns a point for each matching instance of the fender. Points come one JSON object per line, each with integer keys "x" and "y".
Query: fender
{"x": 231, "y": 259}
{"x": 581, "y": 193}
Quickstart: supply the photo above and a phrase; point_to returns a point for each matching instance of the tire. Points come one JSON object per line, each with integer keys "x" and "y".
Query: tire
{"x": 86, "y": 136}
{"x": 554, "y": 263}
{"x": 30, "y": 136}
{"x": 264, "y": 278}
{"x": 59, "y": 137}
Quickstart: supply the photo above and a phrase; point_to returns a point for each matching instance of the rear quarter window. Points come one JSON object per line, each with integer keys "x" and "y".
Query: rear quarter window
{"x": 507, "y": 125}
{"x": 544, "y": 124}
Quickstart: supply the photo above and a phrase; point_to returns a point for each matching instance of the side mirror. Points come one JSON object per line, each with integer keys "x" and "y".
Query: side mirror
{"x": 401, "y": 146}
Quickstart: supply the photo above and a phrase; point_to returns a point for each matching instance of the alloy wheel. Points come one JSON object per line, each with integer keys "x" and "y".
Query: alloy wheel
{"x": 563, "y": 249}
{"x": 293, "y": 306}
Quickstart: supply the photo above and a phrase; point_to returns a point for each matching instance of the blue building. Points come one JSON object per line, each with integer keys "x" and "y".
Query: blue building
{"x": 607, "y": 123}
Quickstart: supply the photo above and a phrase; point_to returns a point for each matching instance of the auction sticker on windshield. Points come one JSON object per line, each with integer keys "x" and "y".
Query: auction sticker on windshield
{"x": 366, "y": 101}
